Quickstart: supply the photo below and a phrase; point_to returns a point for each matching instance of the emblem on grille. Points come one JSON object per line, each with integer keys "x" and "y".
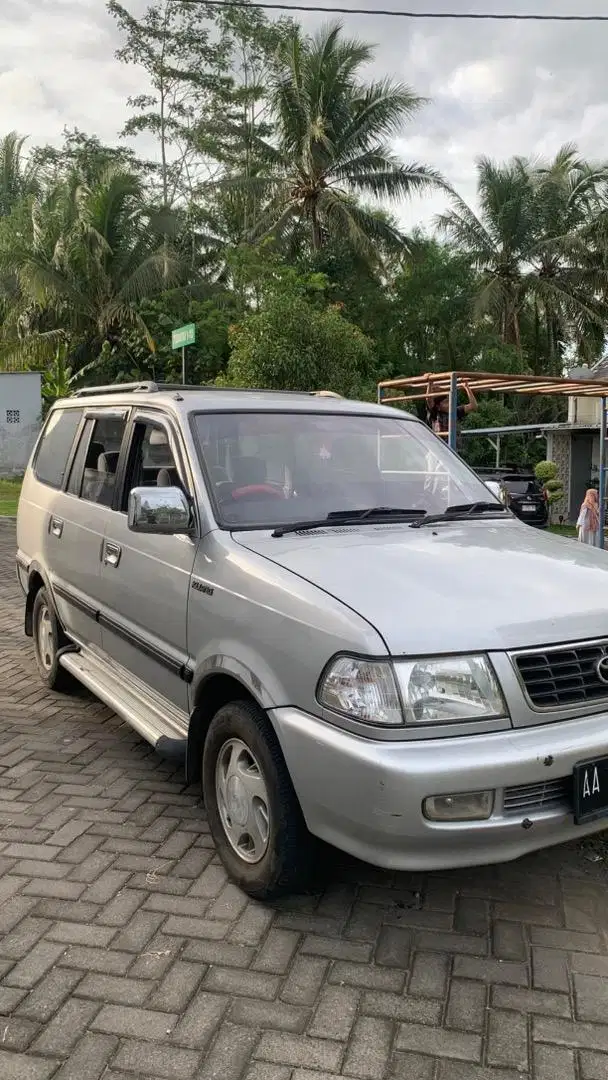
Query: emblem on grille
{"x": 602, "y": 669}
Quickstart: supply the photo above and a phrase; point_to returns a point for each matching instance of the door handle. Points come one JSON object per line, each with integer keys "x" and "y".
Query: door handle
{"x": 56, "y": 526}
{"x": 111, "y": 553}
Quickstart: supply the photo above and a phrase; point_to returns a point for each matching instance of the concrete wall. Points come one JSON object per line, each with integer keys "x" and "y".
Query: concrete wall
{"x": 584, "y": 410}
{"x": 20, "y": 419}
{"x": 559, "y": 451}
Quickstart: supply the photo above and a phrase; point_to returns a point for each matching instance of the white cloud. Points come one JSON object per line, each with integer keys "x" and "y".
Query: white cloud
{"x": 474, "y": 81}
{"x": 496, "y": 88}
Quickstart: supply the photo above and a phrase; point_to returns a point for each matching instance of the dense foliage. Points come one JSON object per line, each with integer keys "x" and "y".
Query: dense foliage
{"x": 264, "y": 212}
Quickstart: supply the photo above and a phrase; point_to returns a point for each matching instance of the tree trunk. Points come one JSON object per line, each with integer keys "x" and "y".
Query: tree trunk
{"x": 163, "y": 140}
{"x": 317, "y": 240}
{"x": 450, "y": 348}
{"x": 536, "y": 365}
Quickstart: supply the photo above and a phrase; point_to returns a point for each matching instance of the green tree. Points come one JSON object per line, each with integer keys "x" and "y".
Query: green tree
{"x": 59, "y": 379}
{"x": 433, "y": 311}
{"x": 296, "y": 341}
{"x": 186, "y": 64}
{"x": 497, "y": 241}
{"x": 84, "y": 154}
{"x": 90, "y": 256}
{"x": 332, "y": 143}
{"x": 18, "y": 174}
{"x": 205, "y": 360}
{"x": 530, "y": 244}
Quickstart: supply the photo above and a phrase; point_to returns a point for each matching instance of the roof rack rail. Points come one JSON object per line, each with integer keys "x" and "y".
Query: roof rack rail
{"x": 117, "y": 388}
{"x": 232, "y": 389}
{"x": 149, "y": 387}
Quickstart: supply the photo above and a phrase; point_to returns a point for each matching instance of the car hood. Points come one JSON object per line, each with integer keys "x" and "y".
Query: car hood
{"x": 469, "y": 586}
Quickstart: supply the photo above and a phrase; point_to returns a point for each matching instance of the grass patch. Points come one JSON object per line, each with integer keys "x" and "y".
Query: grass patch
{"x": 563, "y": 530}
{"x": 9, "y": 497}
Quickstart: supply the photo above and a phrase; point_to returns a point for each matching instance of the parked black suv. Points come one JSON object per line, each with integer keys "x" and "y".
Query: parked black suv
{"x": 527, "y": 498}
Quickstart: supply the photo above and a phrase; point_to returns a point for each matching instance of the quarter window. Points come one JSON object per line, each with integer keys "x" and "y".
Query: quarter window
{"x": 54, "y": 450}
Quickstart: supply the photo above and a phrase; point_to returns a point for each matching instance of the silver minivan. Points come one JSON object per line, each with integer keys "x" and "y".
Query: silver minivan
{"x": 322, "y": 607}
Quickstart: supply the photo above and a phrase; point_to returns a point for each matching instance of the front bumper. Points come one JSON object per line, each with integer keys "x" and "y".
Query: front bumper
{"x": 365, "y": 797}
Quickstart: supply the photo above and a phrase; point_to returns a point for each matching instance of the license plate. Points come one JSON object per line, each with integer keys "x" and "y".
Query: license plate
{"x": 590, "y": 790}
{"x": 528, "y": 508}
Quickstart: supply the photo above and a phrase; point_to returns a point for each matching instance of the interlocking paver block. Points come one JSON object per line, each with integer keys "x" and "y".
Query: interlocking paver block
{"x": 507, "y": 1040}
{"x": 369, "y": 1048}
{"x": 335, "y": 1013}
{"x": 466, "y": 1005}
{"x": 153, "y": 1059}
{"x": 25, "y": 1066}
{"x": 284, "y": 1049}
{"x": 125, "y": 953}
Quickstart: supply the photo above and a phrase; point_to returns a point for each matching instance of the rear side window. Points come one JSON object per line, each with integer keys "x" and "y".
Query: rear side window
{"x": 55, "y": 446}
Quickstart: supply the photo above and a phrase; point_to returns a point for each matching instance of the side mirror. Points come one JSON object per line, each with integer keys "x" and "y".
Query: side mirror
{"x": 162, "y": 510}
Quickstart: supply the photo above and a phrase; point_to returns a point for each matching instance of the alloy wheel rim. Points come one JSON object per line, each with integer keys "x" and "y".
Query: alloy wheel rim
{"x": 45, "y": 639}
{"x": 242, "y": 800}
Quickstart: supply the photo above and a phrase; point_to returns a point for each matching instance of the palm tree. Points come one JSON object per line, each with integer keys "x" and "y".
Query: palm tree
{"x": 567, "y": 281}
{"x": 91, "y": 255}
{"x": 18, "y": 177}
{"x": 496, "y": 240}
{"x": 530, "y": 242}
{"x": 332, "y": 144}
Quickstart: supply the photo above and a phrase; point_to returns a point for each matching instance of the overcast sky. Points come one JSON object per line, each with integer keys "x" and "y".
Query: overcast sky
{"x": 496, "y": 88}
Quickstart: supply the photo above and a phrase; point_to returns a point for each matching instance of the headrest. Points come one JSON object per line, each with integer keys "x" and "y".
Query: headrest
{"x": 158, "y": 437}
{"x": 108, "y": 462}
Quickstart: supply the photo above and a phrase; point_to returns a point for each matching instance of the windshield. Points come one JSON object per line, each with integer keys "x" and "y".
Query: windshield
{"x": 269, "y": 469}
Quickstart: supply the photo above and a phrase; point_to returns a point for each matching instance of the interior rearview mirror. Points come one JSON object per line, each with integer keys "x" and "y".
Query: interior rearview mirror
{"x": 163, "y": 510}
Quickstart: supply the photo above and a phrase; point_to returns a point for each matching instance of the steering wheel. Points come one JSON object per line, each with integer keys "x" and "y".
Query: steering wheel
{"x": 257, "y": 489}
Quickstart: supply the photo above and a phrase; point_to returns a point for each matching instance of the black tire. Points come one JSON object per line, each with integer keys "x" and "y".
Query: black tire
{"x": 47, "y": 644}
{"x": 286, "y": 865}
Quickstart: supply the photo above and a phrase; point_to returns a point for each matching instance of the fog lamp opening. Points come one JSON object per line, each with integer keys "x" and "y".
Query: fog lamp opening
{"x": 471, "y": 806}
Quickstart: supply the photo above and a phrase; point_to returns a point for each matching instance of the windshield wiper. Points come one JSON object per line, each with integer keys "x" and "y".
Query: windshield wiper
{"x": 352, "y": 517}
{"x": 464, "y": 510}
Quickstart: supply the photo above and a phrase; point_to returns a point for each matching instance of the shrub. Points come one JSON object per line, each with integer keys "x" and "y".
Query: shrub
{"x": 547, "y": 474}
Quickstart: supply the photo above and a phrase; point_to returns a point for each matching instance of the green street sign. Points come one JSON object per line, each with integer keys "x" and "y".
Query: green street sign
{"x": 184, "y": 335}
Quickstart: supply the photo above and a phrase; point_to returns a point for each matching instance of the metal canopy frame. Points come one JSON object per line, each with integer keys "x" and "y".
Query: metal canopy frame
{"x": 447, "y": 383}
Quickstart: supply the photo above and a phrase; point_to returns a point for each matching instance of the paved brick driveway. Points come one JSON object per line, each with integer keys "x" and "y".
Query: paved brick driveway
{"x": 124, "y": 953}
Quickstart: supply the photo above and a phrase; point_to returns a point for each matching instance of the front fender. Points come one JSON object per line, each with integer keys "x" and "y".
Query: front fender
{"x": 244, "y": 664}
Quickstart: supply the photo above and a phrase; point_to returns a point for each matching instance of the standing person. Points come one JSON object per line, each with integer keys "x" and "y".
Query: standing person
{"x": 438, "y": 410}
{"x": 588, "y": 523}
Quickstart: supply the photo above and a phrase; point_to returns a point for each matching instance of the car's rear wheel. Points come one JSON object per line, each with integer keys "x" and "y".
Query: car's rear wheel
{"x": 48, "y": 640}
{"x": 254, "y": 815}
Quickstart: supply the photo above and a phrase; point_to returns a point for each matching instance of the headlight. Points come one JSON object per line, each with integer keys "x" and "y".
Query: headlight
{"x": 449, "y": 689}
{"x": 362, "y": 690}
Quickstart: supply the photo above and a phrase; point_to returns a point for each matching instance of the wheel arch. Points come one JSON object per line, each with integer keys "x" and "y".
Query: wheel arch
{"x": 215, "y": 690}
{"x": 36, "y": 581}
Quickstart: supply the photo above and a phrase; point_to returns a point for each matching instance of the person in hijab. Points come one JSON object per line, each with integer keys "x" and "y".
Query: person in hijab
{"x": 588, "y": 523}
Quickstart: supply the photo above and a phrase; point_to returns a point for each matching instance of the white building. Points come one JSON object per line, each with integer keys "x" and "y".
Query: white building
{"x": 574, "y": 446}
{"x": 20, "y": 419}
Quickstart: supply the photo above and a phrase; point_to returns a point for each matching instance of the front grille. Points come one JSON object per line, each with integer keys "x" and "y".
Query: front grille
{"x": 565, "y": 676}
{"x": 530, "y": 798}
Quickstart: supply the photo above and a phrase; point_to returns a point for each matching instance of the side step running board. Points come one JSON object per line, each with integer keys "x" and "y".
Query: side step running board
{"x": 157, "y": 720}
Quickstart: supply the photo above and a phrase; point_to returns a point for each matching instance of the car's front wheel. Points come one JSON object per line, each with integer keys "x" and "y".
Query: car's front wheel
{"x": 254, "y": 815}
{"x": 48, "y": 639}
